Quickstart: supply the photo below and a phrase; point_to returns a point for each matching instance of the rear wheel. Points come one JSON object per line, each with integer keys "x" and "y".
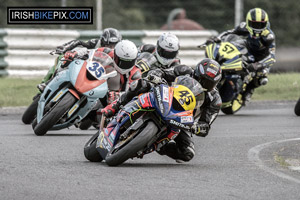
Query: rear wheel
{"x": 90, "y": 151}
{"x": 54, "y": 114}
{"x": 128, "y": 149}
{"x": 297, "y": 108}
{"x": 30, "y": 112}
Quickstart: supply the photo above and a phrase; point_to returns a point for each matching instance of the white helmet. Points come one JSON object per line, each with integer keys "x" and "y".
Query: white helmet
{"x": 167, "y": 48}
{"x": 125, "y": 56}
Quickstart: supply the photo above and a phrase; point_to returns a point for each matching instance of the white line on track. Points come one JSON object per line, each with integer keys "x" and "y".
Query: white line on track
{"x": 253, "y": 155}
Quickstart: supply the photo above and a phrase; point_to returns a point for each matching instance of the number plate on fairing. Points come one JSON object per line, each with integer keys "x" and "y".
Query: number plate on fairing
{"x": 96, "y": 69}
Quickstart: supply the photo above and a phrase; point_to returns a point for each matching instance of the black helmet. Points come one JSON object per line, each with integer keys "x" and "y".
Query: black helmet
{"x": 110, "y": 37}
{"x": 208, "y": 73}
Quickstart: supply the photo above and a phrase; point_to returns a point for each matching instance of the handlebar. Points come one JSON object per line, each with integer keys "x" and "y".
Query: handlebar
{"x": 202, "y": 46}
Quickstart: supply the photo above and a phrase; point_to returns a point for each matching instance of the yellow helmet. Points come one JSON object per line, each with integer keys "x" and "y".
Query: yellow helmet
{"x": 257, "y": 20}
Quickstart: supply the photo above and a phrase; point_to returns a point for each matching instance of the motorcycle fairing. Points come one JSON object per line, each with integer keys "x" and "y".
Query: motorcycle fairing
{"x": 227, "y": 54}
{"x": 164, "y": 98}
{"x": 75, "y": 69}
{"x": 90, "y": 88}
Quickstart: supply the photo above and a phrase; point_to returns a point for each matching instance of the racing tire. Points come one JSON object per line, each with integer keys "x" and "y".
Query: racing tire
{"x": 297, "y": 108}
{"x": 90, "y": 151}
{"x": 54, "y": 114}
{"x": 117, "y": 156}
{"x": 30, "y": 113}
{"x": 34, "y": 123}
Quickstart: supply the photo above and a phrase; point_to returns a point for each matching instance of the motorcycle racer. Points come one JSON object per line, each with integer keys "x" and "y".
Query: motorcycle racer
{"x": 208, "y": 74}
{"x": 109, "y": 38}
{"x": 162, "y": 56}
{"x": 124, "y": 55}
{"x": 260, "y": 42}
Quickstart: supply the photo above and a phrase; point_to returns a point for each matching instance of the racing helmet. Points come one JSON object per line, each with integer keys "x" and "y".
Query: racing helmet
{"x": 167, "y": 48}
{"x": 110, "y": 37}
{"x": 256, "y": 21}
{"x": 188, "y": 93}
{"x": 208, "y": 73}
{"x": 125, "y": 56}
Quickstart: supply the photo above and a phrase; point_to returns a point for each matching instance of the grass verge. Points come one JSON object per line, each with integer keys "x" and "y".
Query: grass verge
{"x": 285, "y": 86}
{"x": 19, "y": 92}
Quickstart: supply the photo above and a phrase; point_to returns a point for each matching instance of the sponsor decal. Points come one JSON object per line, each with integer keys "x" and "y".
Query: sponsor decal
{"x": 180, "y": 125}
{"x": 158, "y": 96}
{"x": 210, "y": 74}
{"x": 91, "y": 93}
{"x": 100, "y": 140}
{"x": 142, "y": 99}
{"x": 165, "y": 94}
{"x": 214, "y": 66}
{"x": 212, "y": 71}
{"x": 187, "y": 119}
{"x": 201, "y": 69}
{"x": 72, "y": 110}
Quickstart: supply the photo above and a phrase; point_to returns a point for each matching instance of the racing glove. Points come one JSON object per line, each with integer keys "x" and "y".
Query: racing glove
{"x": 111, "y": 109}
{"x": 200, "y": 129}
{"x": 112, "y": 96}
{"x": 69, "y": 57}
{"x": 155, "y": 76}
{"x": 253, "y": 67}
{"x": 213, "y": 39}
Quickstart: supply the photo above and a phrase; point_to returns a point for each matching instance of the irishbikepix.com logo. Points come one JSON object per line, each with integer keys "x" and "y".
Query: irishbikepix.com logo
{"x": 49, "y": 15}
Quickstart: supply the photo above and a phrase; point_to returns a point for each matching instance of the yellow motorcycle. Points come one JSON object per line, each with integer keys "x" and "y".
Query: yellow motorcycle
{"x": 230, "y": 53}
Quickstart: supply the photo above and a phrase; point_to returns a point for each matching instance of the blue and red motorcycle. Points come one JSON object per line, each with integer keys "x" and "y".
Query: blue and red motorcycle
{"x": 140, "y": 127}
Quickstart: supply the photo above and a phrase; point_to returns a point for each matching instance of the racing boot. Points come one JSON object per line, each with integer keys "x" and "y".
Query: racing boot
{"x": 181, "y": 149}
{"x": 247, "y": 96}
{"x": 186, "y": 148}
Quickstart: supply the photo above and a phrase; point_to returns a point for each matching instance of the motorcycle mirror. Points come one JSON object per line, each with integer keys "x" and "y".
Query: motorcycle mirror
{"x": 202, "y": 46}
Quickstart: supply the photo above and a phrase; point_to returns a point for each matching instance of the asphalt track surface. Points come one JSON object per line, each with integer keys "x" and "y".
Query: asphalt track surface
{"x": 251, "y": 155}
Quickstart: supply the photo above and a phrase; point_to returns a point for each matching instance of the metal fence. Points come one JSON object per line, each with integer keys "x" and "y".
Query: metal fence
{"x": 27, "y": 50}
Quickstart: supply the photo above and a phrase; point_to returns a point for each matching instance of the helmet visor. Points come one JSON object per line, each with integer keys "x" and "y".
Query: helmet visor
{"x": 166, "y": 54}
{"x": 124, "y": 66}
{"x": 208, "y": 84}
{"x": 257, "y": 25}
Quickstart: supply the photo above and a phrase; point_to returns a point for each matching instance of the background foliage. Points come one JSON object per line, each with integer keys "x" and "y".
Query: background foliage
{"x": 212, "y": 14}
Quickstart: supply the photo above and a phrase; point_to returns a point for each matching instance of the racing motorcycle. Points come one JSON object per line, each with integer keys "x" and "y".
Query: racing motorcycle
{"x": 73, "y": 92}
{"x": 230, "y": 53}
{"x": 140, "y": 127}
{"x": 297, "y": 108}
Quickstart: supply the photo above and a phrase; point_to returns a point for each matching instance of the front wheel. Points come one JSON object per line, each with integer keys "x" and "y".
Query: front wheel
{"x": 30, "y": 112}
{"x": 120, "y": 153}
{"x": 54, "y": 114}
{"x": 90, "y": 151}
{"x": 297, "y": 108}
